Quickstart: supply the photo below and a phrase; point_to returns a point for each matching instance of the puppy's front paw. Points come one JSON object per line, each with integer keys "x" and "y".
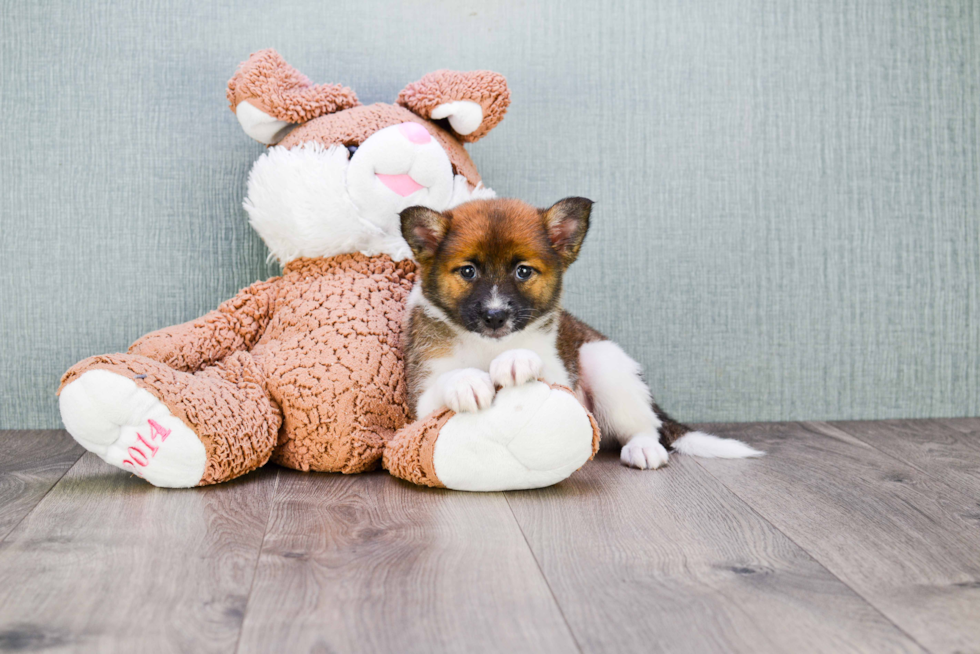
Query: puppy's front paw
{"x": 644, "y": 451}
{"x": 469, "y": 389}
{"x": 515, "y": 367}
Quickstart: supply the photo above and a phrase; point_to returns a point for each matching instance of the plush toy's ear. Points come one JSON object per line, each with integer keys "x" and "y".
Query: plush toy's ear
{"x": 269, "y": 97}
{"x": 424, "y": 230}
{"x": 567, "y": 221}
{"x": 473, "y": 102}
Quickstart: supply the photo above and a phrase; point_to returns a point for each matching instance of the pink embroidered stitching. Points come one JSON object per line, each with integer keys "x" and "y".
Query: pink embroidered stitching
{"x": 138, "y": 457}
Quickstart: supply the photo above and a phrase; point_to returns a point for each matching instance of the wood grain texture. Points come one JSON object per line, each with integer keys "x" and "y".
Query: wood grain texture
{"x": 644, "y": 561}
{"x": 848, "y": 537}
{"x": 32, "y": 462}
{"x": 901, "y": 539}
{"x": 372, "y": 564}
{"x": 964, "y": 425}
{"x": 107, "y": 563}
{"x": 948, "y": 451}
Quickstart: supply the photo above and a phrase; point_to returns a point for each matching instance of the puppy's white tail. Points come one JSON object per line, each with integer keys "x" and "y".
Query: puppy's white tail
{"x": 706, "y": 446}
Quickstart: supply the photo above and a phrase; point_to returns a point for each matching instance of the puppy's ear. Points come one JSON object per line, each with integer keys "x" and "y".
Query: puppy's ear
{"x": 567, "y": 221}
{"x": 424, "y": 230}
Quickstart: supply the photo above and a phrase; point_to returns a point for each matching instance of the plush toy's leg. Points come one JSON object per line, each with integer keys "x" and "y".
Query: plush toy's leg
{"x": 172, "y": 428}
{"x": 533, "y": 436}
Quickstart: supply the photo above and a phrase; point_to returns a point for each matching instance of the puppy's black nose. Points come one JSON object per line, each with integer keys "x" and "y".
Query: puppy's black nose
{"x": 495, "y": 318}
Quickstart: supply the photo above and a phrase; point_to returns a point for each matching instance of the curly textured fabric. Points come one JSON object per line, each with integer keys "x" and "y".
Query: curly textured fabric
{"x": 354, "y": 126}
{"x": 226, "y": 405}
{"x": 306, "y": 369}
{"x": 332, "y": 354}
{"x": 317, "y": 350}
{"x": 596, "y": 435}
{"x": 484, "y": 87}
{"x": 409, "y": 454}
{"x": 273, "y": 86}
{"x": 235, "y": 325}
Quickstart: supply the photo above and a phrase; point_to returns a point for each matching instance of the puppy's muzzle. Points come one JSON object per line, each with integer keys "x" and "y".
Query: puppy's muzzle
{"x": 494, "y": 319}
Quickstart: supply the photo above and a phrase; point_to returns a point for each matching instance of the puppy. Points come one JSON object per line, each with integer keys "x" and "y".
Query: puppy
{"x": 486, "y": 313}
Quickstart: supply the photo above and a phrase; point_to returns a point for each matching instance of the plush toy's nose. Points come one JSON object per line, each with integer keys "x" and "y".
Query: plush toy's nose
{"x": 415, "y": 133}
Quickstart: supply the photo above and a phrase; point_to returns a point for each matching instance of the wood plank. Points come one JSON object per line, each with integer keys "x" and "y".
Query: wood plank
{"x": 669, "y": 560}
{"x": 949, "y": 455}
{"x": 108, "y": 563}
{"x": 964, "y": 425}
{"x": 904, "y": 541}
{"x": 32, "y": 462}
{"x": 373, "y": 564}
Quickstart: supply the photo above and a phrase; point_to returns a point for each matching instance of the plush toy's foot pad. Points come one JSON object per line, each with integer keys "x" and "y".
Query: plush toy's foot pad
{"x": 534, "y": 435}
{"x": 128, "y": 427}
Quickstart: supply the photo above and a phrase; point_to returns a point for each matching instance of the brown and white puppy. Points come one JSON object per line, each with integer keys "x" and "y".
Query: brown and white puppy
{"x": 486, "y": 313}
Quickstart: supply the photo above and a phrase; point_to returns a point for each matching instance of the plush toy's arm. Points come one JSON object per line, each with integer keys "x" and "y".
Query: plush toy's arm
{"x": 235, "y": 325}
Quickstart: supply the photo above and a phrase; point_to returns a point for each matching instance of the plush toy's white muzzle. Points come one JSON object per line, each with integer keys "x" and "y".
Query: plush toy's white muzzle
{"x": 311, "y": 201}
{"x": 395, "y": 168}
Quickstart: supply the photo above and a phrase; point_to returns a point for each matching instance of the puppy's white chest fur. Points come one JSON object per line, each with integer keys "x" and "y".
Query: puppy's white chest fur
{"x": 471, "y": 350}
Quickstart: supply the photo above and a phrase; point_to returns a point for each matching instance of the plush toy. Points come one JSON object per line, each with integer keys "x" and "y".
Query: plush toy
{"x": 306, "y": 368}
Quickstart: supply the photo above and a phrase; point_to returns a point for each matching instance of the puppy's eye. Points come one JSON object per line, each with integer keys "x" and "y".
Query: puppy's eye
{"x": 524, "y": 273}
{"x": 467, "y": 272}
{"x": 352, "y": 149}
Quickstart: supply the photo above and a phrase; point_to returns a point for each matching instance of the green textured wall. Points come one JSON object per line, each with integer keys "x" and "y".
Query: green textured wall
{"x": 787, "y": 220}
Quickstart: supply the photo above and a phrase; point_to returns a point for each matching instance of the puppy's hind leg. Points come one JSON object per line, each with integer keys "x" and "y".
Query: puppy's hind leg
{"x": 625, "y": 410}
{"x": 622, "y": 404}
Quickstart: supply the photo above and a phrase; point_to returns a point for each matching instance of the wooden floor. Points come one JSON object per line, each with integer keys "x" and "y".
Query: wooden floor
{"x": 846, "y": 537}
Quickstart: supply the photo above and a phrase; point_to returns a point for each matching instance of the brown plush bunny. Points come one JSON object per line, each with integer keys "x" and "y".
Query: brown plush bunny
{"x": 306, "y": 368}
